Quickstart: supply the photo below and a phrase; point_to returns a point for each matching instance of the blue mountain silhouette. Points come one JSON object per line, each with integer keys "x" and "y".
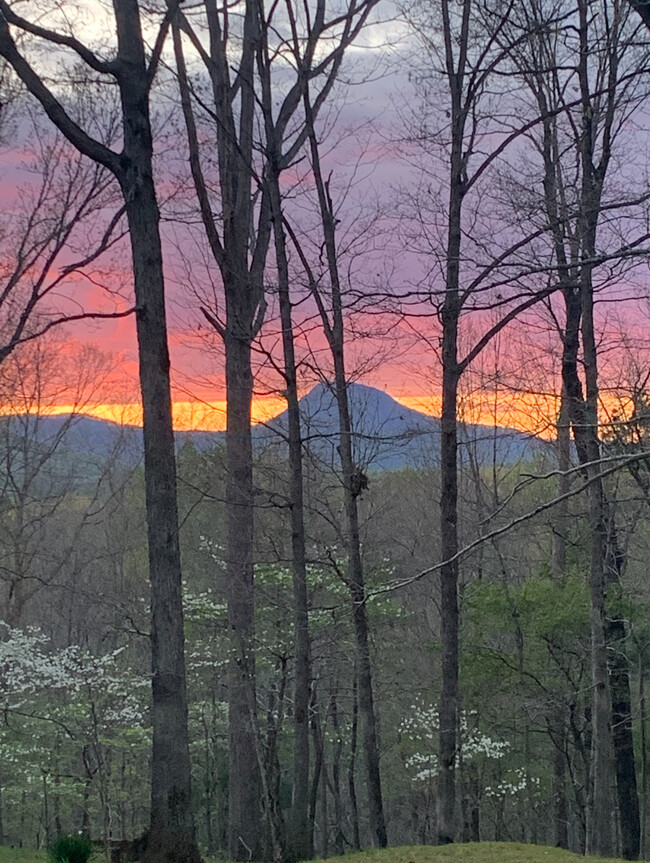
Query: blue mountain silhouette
{"x": 386, "y": 434}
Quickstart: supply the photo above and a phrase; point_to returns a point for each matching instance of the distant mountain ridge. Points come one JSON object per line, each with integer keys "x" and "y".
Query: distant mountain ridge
{"x": 386, "y": 434}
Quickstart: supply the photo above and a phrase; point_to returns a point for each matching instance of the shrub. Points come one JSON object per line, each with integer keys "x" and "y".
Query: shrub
{"x": 70, "y": 849}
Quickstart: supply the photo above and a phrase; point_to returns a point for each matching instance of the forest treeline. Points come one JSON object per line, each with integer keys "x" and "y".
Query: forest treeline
{"x": 282, "y": 651}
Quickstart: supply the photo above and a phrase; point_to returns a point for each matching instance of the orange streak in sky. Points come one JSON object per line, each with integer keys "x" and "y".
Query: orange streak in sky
{"x": 531, "y": 413}
{"x": 187, "y": 416}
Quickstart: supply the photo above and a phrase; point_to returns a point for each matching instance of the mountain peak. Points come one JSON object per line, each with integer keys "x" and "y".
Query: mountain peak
{"x": 367, "y": 404}
{"x": 386, "y": 435}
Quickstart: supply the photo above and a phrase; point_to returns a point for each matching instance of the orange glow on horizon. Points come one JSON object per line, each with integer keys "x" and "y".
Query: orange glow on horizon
{"x": 187, "y": 416}
{"x": 530, "y": 413}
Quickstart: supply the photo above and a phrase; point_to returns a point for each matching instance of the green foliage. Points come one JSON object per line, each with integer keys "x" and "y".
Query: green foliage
{"x": 70, "y": 849}
{"x": 542, "y": 606}
{"x": 532, "y": 626}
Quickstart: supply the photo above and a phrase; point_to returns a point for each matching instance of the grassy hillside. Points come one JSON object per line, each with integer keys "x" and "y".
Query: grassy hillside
{"x": 476, "y": 852}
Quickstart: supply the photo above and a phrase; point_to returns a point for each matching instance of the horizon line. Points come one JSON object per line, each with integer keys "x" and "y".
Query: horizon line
{"x": 530, "y": 413}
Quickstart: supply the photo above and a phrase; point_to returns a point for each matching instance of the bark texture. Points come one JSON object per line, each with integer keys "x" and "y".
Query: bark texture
{"x": 574, "y": 232}
{"x": 171, "y": 836}
{"x": 240, "y": 255}
{"x": 450, "y": 315}
{"x": 245, "y": 793}
{"x": 300, "y": 839}
{"x": 334, "y": 330}
{"x": 623, "y": 739}
{"x": 300, "y": 836}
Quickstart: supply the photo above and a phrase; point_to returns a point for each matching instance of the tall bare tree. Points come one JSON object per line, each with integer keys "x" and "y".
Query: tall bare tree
{"x": 128, "y": 67}
{"x": 481, "y": 269}
{"x": 238, "y": 238}
{"x": 321, "y": 73}
{"x": 249, "y": 173}
{"x": 584, "y": 132}
{"x": 353, "y": 479}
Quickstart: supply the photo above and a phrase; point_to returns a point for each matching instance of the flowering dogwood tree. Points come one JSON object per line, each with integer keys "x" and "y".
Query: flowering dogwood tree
{"x": 485, "y": 771}
{"x": 421, "y": 728}
{"x": 70, "y": 716}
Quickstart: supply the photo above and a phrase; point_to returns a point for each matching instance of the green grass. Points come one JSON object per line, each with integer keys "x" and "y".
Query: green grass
{"x": 29, "y": 855}
{"x": 22, "y": 855}
{"x": 473, "y": 852}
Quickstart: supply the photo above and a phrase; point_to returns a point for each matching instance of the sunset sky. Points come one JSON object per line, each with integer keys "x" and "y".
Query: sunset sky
{"x": 514, "y": 384}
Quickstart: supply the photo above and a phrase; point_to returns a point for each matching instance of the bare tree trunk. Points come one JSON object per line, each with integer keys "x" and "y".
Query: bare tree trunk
{"x": 470, "y": 803}
{"x": 171, "y": 835}
{"x": 85, "y": 811}
{"x": 561, "y": 514}
{"x": 324, "y": 818}
{"x": 23, "y": 807}
{"x": 318, "y": 763}
{"x": 449, "y": 622}
{"x": 85, "y": 815}
{"x": 172, "y": 827}
{"x": 245, "y": 819}
{"x": 358, "y": 596}
{"x": 560, "y": 808}
{"x": 240, "y": 258}
{"x": 2, "y": 825}
{"x": 123, "y": 797}
{"x": 208, "y": 787}
{"x": 581, "y": 411}
{"x": 475, "y": 805}
{"x": 599, "y": 823}
{"x": 357, "y": 588}
{"x": 46, "y": 810}
{"x": 623, "y": 739}
{"x": 644, "y": 754}
{"x": 270, "y": 769}
{"x": 300, "y": 836}
{"x": 621, "y": 702}
{"x": 575, "y": 248}
{"x": 352, "y": 790}
{"x": 599, "y": 839}
{"x": 244, "y": 295}
{"x": 301, "y": 833}
{"x": 58, "y": 827}
{"x": 449, "y": 692}
{"x": 352, "y": 485}
{"x": 580, "y": 779}
{"x": 339, "y": 839}
{"x": 239, "y": 247}
{"x": 319, "y": 781}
